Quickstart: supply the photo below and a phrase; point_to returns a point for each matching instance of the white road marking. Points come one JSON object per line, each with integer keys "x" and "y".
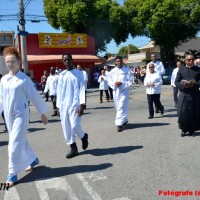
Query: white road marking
{"x": 88, "y": 188}
{"x": 96, "y": 176}
{"x": 11, "y": 194}
{"x": 54, "y": 183}
{"x": 123, "y": 198}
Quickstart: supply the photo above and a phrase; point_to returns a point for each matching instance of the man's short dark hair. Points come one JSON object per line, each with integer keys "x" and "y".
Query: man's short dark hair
{"x": 118, "y": 57}
{"x": 67, "y": 54}
{"x": 187, "y": 53}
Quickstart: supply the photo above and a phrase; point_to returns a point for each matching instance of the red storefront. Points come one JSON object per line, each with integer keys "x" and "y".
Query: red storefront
{"x": 44, "y": 50}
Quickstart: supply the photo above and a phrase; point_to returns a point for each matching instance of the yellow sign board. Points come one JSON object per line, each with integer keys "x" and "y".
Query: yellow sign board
{"x": 62, "y": 40}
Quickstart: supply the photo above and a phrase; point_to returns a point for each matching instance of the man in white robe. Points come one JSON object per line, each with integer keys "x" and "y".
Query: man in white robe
{"x": 85, "y": 77}
{"x": 120, "y": 79}
{"x": 51, "y": 87}
{"x": 70, "y": 101}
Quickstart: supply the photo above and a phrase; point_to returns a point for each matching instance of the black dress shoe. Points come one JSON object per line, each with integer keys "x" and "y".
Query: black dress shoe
{"x": 183, "y": 134}
{"x": 125, "y": 123}
{"x": 85, "y": 142}
{"x": 119, "y": 128}
{"x": 73, "y": 152}
{"x": 150, "y": 117}
{"x": 162, "y": 111}
{"x": 192, "y": 133}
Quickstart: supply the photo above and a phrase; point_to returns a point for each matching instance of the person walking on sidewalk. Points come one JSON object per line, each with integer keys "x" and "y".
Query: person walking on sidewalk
{"x": 108, "y": 69}
{"x": 51, "y": 86}
{"x": 158, "y": 68}
{"x": 85, "y": 77}
{"x": 120, "y": 79}
{"x": 153, "y": 84}
{"x": 173, "y": 78}
{"x": 103, "y": 86}
{"x": 16, "y": 89}
{"x": 71, "y": 101}
{"x": 43, "y": 83}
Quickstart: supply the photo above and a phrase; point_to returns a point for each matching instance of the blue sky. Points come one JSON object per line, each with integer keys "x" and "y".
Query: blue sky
{"x": 35, "y": 7}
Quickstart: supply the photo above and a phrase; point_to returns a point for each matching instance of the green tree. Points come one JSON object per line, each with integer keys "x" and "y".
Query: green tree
{"x": 83, "y": 16}
{"x": 167, "y": 22}
{"x": 128, "y": 49}
{"x": 108, "y": 55}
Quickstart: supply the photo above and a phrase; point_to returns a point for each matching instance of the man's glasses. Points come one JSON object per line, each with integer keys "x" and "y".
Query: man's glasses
{"x": 151, "y": 67}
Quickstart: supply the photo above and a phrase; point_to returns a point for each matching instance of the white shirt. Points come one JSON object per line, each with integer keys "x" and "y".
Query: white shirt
{"x": 173, "y": 78}
{"x": 70, "y": 90}
{"x": 85, "y": 77}
{"x": 158, "y": 67}
{"x": 103, "y": 82}
{"x": 51, "y": 85}
{"x": 153, "y": 78}
{"x": 120, "y": 75}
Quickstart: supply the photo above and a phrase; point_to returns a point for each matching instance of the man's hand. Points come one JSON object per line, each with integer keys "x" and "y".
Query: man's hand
{"x": 118, "y": 84}
{"x": 80, "y": 110}
{"x": 44, "y": 119}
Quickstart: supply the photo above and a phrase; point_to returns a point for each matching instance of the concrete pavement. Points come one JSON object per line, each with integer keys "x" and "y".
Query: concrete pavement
{"x": 149, "y": 160}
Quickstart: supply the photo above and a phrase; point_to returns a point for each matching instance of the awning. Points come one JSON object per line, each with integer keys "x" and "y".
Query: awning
{"x": 37, "y": 59}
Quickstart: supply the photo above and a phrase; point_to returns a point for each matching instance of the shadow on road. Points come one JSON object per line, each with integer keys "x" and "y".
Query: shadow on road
{"x": 86, "y": 113}
{"x": 31, "y": 130}
{"x": 169, "y": 115}
{"x": 43, "y": 172}
{"x": 197, "y": 134}
{"x": 171, "y": 110}
{"x": 103, "y": 107}
{"x": 49, "y": 121}
{"x": 110, "y": 151}
{"x": 3, "y": 143}
{"x": 142, "y": 125}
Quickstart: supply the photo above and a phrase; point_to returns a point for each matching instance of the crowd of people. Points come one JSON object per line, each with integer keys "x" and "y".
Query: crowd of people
{"x": 67, "y": 90}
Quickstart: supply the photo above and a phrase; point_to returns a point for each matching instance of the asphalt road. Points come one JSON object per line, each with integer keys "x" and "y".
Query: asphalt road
{"x": 147, "y": 161}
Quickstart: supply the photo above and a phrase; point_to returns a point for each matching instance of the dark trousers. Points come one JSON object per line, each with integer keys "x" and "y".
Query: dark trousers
{"x": 101, "y": 95}
{"x": 85, "y": 99}
{"x": 111, "y": 93}
{"x": 53, "y": 99}
{"x": 154, "y": 98}
{"x": 156, "y": 107}
{"x": 96, "y": 83}
{"x": 175, "y": 94}
{"x": 2, "y": 114}
{"x": 47, "y": 96}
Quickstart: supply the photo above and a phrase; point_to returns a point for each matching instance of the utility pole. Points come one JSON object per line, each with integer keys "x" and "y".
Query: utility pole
{"x": 23, "y": 34}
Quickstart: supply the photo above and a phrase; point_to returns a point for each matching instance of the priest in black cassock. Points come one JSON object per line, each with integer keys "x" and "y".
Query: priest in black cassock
{"x": 188, "y": 82}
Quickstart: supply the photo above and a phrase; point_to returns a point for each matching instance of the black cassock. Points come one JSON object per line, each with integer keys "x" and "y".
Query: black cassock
{"x": 189, "y": 99}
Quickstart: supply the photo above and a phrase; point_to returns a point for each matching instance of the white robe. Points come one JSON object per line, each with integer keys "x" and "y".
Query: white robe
{"x": 70, "y": 94}
{"x": 15, "y": 92}
{"x": 51, "y": 85}
{"x": 121, "y": 93}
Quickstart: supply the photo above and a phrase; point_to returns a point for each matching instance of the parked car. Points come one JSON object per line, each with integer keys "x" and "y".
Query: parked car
{"x": 167, "y": 76}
